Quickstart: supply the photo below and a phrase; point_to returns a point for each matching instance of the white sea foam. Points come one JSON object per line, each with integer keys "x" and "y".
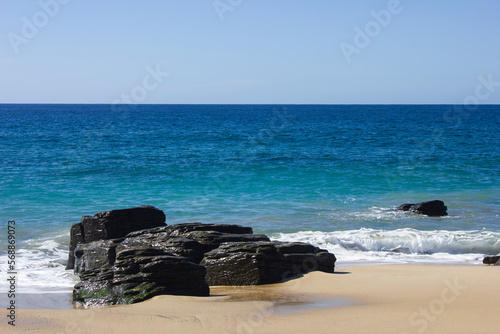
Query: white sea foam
{"x": 40, "y": 267}
{"x": 40, "y": 263}
{"x": 402, "y": 245}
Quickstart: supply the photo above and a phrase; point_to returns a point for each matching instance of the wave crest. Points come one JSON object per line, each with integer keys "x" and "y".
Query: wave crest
{"x": 407, "y": 245}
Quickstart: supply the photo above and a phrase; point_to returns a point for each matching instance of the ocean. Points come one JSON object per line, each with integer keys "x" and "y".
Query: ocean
{"x": 330, "y": 175}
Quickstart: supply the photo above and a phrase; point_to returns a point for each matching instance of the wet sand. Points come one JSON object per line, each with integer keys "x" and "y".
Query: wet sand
{"x": 367, "y": 299}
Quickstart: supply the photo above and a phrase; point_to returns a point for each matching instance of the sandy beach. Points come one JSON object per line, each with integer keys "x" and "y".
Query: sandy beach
{"x": 366, "y": 299}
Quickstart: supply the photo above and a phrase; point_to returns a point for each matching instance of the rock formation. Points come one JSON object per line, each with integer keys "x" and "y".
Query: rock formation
{"x": 124, "y": 268}
{"x": 431, "y": 208}
{"x": 112, "y": 224}
{"x": 263, "y": 262}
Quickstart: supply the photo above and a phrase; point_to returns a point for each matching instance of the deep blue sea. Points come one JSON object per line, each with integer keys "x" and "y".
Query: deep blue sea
{"x": 325, "y": 174}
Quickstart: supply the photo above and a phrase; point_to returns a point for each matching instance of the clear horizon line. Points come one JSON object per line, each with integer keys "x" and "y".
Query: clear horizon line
{"x": 262, "y": 104}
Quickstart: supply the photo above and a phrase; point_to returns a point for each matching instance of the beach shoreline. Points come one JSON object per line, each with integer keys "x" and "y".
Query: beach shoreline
{"x": 393, "y": 298}
{"x": 61, "y": 299}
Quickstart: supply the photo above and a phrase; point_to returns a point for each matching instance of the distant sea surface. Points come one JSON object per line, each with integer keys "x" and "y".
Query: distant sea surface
{"x": 330, "y": 175}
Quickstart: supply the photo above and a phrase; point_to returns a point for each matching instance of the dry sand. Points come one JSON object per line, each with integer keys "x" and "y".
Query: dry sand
{"x": 368, "y": 299}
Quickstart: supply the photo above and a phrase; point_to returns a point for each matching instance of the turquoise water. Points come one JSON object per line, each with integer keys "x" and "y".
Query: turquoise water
{"x": 329, "y": 175}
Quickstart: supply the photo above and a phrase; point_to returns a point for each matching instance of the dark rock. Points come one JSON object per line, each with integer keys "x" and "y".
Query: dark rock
{"x": 118, "y": 223}
{"x": 431, "y": 208}
{"x": 140, "y": 274}
{"x": 494, "y": 260}
{"x": 95, "y": 288}
{"x": 179, "y": 246}
{"x": 405, "y": 207}
{"x": 148, "y": 262}
{"x": 212, "y": 239}
{"x": 261, "y": 262}
{"x": 182, "y": 229}
{"x": 95, "y": 255}
{"x": 113, "y": 224}
{"x": 307, "y": 257}
{"x": 248, "y": 263}
{"x": 190, "y": 240}
{"x": 171, "y": 260}
{"x": 144, "y": 273}
{"x": 76, "y": 237}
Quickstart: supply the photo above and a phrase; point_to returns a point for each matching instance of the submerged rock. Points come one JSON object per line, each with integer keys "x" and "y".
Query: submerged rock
{"x": 494, "y": 260}
{"x": 431, "y": 208}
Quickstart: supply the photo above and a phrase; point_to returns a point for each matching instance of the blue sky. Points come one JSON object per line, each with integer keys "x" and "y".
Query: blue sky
{"x": 250, "y": 51}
